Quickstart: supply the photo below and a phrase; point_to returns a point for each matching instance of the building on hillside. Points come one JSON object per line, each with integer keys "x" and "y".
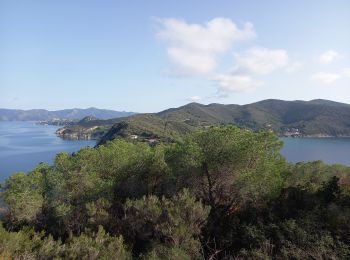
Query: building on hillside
{"x": 292, "y": 132}
{"x": 153, "y": 141}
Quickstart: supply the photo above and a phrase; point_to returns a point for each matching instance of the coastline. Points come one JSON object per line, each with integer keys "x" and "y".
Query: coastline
{"x": 317, "y": 136}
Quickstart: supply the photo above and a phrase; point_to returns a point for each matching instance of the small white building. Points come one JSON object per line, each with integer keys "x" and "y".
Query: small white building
{"x": 153, "y": 141}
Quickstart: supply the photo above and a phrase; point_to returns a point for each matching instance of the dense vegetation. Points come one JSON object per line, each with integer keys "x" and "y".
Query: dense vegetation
{"x": 310, "y": 118}
{"x": 218, "y": 193}
{"x": 147, "y": 126}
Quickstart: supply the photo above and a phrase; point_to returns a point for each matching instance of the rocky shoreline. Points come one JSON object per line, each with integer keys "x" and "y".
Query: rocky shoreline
{"x": 96, "y": 133}
{"x": 90, "y": 133}
{"x": 57, "y": 122}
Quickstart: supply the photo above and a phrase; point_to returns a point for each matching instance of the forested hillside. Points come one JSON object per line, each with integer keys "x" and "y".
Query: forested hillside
{"x": 216, "y": 193}
{"x": 316, "y": 118}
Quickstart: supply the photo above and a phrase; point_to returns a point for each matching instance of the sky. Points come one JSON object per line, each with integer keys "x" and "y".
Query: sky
{"x": 147, "y": 56}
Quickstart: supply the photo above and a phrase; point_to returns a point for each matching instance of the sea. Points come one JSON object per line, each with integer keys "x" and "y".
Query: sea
{"x": 331, "y": 150}
{"x": 23, "y": 145}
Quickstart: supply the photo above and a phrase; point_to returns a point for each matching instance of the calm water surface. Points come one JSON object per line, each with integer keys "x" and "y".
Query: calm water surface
{"x": 23, "y": 145}
{"x": 329, "y": 150}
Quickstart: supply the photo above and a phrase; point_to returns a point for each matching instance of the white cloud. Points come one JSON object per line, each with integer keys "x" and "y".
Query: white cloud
{"x": 346, "y": 72}
{"x": 250, "y": 64}
{"x": 325, "y": 77}
{"x": 295, "y": 66}
{"x": 235, "y": 82}
{"x": 194, "y": 99}
{"x": 194, "y": 48}
{"x": 217, "y": 35}
{"x": 190, "y": 63}
{"x": 261, "y": 61}
{"x": 328, "y": 57}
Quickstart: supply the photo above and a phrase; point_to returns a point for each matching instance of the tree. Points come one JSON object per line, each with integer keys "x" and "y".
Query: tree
{"x": 22, "y": 194}
{"x": 175, "y": 223}
{"x": 228, "y": 166}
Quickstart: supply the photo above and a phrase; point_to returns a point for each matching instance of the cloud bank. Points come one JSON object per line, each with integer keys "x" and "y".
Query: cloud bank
{"x": 250, "y": 64}
{"x": 328, "y": 57}
{"x": 325, "y": 77}
{"x": 193, "y": 49}
{"x": 261, "y": 61}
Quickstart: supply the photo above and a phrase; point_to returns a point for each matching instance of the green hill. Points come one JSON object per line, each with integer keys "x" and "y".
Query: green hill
{"x": 311, "y": 118}
{"x": 315, "y": 118}
{"x": 147, "y": 127}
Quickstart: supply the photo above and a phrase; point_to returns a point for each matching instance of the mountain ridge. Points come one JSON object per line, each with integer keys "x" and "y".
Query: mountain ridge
{"x": 73, "y": 113}
{"x": 314, "y": 118}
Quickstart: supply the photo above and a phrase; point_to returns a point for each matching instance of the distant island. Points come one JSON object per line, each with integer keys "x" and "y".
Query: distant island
{"x": 315, "y": 118}
{"x": 59, "y": 115}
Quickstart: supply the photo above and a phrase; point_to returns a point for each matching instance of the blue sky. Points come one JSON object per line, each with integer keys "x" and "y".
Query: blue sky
{"x": 147, "y": 56}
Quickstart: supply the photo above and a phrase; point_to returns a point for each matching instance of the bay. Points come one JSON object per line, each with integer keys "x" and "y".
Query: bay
{"x": 25, "y": 144}
{"x": 330, "y": 150}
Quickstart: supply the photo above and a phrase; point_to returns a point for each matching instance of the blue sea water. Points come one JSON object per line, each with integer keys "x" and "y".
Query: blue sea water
{"x": 24, "y": 144}
{"x": 329, "y": 150}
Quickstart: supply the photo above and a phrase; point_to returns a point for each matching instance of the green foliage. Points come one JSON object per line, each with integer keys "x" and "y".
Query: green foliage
{"x": 96, "y": 246}
{"x": 175, "y": 223}
{"x": 170, "y": 253}
{"x": 227, "y": 165}
{"x": 217, "y": 193}
{"x": 313, "y": 174}
{"x": 147, "y": 126}
{"x": 24, "y": 197}
{"x": 27, "y": 244}
{"x": 311, "y": 118}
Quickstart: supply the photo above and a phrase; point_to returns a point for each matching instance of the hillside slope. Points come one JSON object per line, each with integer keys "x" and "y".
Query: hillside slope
{"x": 315, "y": 118}
{"x": 146, "y": 127}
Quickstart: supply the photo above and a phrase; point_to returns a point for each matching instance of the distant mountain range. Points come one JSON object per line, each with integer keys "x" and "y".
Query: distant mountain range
{"x": 42, "y": 114}
{"x": 315, "y": 118}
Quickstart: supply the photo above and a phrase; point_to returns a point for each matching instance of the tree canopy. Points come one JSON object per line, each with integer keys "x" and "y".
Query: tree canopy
{"x": 217, "y": 193}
